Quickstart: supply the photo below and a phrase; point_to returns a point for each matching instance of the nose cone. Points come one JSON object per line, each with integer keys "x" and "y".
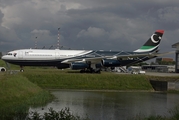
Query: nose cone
{"x": 4, "y": 57}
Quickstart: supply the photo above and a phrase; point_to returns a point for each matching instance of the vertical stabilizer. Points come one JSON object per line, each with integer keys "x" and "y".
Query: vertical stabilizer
{"x": 153, "y": 42}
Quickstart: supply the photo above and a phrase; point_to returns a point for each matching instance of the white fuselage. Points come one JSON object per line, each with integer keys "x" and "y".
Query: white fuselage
{"x": 41, "y": 54}
{"x": 44, "y": 57}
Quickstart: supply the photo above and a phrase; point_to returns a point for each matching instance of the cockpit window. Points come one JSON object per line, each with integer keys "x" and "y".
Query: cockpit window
{"x": 9, "y": 53}
{"x": 15, "y": 54}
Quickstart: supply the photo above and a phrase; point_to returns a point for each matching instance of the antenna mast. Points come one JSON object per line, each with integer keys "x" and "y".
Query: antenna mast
{"x": 58, "y": 42}
{"x": 35, "y": 42}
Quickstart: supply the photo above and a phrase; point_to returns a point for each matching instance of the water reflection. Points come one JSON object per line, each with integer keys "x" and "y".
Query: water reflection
{"x": 112, "y": 105}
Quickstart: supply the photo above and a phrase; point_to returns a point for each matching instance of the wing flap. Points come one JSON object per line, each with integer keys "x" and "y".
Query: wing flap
{"x": 69, "y": 61}
{"x": 134, "y": 55}
{"x": 92, "y": 60}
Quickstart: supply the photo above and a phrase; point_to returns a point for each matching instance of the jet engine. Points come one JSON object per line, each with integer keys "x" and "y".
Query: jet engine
{"x": 62, "y": 66}
{"x": 110, "y": 63}
{"x": 78, "y": 66}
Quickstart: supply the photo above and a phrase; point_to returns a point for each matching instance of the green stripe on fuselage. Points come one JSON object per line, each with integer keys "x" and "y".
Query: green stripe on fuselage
{"x": 146, "y": 47}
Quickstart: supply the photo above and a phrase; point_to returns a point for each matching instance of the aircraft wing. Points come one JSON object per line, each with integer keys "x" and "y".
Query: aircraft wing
{"x": 135, "y": 55}
{"x": 146, "y": 55}
{"x": 98, "y": 59}
{"x": 117, "y": 57}
{"x": 92, "y": 60}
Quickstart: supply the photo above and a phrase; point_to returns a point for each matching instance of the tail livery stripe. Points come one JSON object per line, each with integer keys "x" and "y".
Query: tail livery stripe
{"x": 152, "y": 43}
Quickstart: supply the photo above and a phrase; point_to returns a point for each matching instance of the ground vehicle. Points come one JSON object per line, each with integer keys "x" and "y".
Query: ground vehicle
{"x": 141, "y": 72}
{"x": 2, "y": 69}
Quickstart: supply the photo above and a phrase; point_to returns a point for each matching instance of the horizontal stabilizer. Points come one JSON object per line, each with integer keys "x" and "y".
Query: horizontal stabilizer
{"x": 166, "y": 53}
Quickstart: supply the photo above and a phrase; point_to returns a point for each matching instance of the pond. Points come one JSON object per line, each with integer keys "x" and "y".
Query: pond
{"x": 108, "y": 105}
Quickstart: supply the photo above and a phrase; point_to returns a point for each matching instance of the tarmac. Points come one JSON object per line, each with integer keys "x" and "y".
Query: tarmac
{"x": 156, "y": 74}
{"x": 161, "y": 74}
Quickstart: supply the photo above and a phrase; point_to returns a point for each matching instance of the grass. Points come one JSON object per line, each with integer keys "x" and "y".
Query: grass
{"x": 58, "y": 79}
{"x": 12, "y": 67}
{"x": 17, "y": 93}
{"x": 17, "y": 87}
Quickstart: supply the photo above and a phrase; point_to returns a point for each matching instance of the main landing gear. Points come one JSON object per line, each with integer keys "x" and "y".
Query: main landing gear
{"x": 91, "y": 70}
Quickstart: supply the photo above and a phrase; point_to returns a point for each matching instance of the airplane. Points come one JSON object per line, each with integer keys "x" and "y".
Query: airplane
{"x": 87, "y": 61}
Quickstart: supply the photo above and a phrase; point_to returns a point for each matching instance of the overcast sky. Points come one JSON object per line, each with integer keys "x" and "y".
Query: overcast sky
{"x": 87, "y": 24}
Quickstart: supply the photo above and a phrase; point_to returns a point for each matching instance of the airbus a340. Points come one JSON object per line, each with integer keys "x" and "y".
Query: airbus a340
{"x": 85, "y": 60}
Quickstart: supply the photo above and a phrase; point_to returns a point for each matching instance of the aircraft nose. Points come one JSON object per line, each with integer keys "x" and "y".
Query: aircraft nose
{"x": 3, "y": 57}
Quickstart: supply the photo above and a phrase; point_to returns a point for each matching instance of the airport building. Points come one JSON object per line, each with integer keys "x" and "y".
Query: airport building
{"x": 176, "y": 45}
{"x": 159, "y": 68}
{"x": 163, "y": 60}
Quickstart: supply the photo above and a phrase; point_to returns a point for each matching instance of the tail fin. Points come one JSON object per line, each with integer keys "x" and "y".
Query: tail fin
{"x": 153, "y": 42}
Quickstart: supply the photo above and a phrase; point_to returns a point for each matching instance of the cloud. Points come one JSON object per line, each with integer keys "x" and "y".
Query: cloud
{"x": 89, "y": 24}
{"x": 40, "y": 31}
{"x": 7, "y": 36}
{"x": 92, "y": 32}
{"x": 169, "y": 14}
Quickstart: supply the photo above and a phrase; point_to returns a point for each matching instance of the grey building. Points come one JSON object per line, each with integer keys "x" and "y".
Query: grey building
{"x": 176, "y": 45}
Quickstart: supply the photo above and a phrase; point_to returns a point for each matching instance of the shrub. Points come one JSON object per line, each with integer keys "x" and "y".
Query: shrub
{"x": 63, "y": 114}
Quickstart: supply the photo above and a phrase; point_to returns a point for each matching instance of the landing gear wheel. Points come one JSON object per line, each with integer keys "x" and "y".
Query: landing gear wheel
{"x": 98, "y": 70}
{"x": 21, "y": 70}
{"x": 82, "y": 71}
{"x": 91, "y": 70}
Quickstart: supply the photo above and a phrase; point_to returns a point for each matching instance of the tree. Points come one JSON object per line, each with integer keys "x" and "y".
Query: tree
{"x": 166, "y": 62}
{"x": 0, "y": 55}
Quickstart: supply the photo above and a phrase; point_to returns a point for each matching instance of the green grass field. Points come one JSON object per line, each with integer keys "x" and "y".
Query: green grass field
{"x": 65, "y": 79}
{"x": 17, "y": 88}
{"x": 17, "y": 94}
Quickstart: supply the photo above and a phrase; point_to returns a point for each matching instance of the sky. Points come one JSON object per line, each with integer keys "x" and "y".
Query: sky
{"x": 87, "y": 24}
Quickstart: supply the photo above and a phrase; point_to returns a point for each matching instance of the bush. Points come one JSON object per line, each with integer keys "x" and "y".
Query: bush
{"x": 63, "y": 114}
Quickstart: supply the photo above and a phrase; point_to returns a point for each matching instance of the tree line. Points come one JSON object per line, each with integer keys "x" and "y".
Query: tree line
{"x": 0, "y": 55}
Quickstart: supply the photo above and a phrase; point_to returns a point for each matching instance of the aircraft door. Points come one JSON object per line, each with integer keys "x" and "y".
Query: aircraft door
{"x": 57, "y": 55}
{"x": 20, "y": 54}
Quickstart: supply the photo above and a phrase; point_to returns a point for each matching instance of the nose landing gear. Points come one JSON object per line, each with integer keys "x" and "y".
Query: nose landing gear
{"x": 21, "y": 70}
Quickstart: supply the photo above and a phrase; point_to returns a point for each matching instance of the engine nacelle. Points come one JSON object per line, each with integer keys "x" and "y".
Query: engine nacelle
{"x": 110, "y": 62}
{"x": 62, "y": 66}
{"x": 79, "y": 66}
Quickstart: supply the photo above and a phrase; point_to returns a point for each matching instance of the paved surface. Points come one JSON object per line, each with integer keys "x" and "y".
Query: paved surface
{"x": 156, "y": 74}
{"x": 162, "y": 74}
